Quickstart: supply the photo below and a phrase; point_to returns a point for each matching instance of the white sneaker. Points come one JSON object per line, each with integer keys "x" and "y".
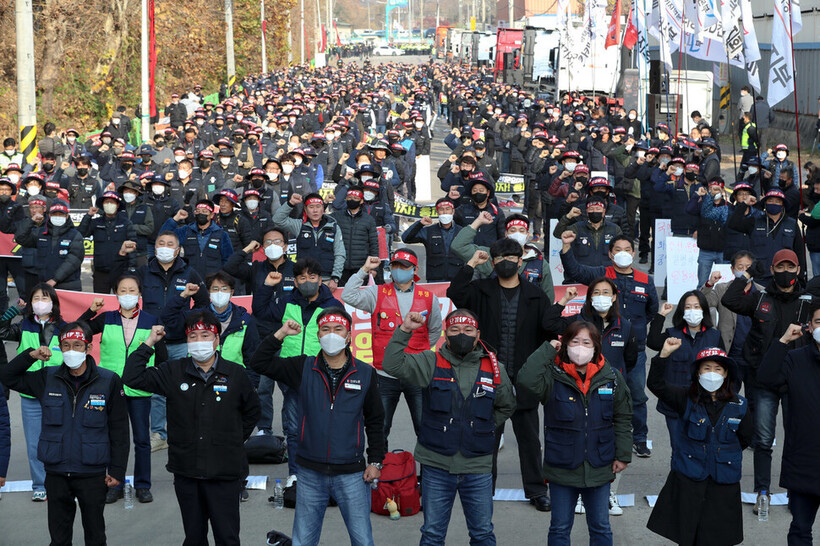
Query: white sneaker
{"x": 501, "y": 442}
{"x": 579, "y": 506}
{"x": 290, "y": 481}
{"x": 260, "y": 433}
{"x": 157, "y": 443}
{"x": 614, "y": 508}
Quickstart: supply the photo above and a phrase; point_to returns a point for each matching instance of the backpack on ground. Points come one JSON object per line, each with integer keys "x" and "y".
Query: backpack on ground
{"x": 266, "y": 449}
{"x": 398, "y": 482}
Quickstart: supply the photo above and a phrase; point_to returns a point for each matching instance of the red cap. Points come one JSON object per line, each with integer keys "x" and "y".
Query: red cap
{"x": 785, "y": 255}
{"x": 404, "y": 256}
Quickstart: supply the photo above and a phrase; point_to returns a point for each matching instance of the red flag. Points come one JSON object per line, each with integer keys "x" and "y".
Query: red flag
{"x": 152, "y": 60}
{"x": 631, "y": 35}
{"x": 338, "y": 40}
{"x": 613, "y": 35}
{"x": 324, "y": 38}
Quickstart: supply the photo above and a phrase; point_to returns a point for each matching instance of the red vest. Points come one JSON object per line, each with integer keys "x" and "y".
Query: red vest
{"x": 386, "y": 318}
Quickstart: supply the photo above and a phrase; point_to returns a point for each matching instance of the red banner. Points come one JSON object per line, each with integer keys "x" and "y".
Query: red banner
{"x": 338, "y": 40}
{"x": 324, "y": 39}
{"x": 74, "y": 304}
{"x": 613, "y": 35}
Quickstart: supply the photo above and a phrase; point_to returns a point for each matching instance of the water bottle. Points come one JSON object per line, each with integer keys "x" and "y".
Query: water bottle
{"x": 763, "y": 510}
{"x": 128, "y": 495}
{"x": 374, "y": 485}
{"x": 278, "y": 496}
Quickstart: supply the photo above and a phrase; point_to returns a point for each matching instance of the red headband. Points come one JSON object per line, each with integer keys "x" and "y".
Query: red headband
{"x": 58, "y": 208}
{"x": 461, "y": 319}
{"x": 314, "y": 201}
{"x": 334, "y": 319}
{"x": 446, "y": 204}
{"x": 355, "y": 193}
{"x": 406, "y": 256}
{"x": 517, "y": 223}
{"x": 74, "y": 334}
{"x": 202, "y": 326}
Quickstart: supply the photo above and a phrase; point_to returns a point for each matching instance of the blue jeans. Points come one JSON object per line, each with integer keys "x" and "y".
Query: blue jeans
{"x": 391, "y": 390}
{"x": 636, "y": 381}
{"x": 175, "y": 351}
{"x": 352, "y": 494}
{"x": 290, "y": 425}
{"x": 139, "y": 411}
{"x": 440, "y": 487}
{"x": 706, "y": 259}
{"x": 32, "y": 416}
{"x": 815, "y": 263}
{"x": 265, "y": 392}
{"x": 596, "y": 503}
{"x": 765, "y": 416}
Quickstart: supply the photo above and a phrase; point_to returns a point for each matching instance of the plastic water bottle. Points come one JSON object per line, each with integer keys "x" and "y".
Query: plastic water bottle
{"x": 278, "y": 496}
{"x": 763, "y": 511}
{"x": 374, "y": 485}
{"x": 128, "y": 495}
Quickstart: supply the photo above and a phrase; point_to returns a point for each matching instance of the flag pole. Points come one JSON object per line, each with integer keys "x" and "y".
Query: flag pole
{"x": 796, "y": 113}
{"x": 731, "y": 121}
{"x": 680, "y": 62}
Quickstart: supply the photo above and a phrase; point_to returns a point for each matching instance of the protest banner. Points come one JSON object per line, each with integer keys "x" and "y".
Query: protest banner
{"x": 681, "y": 267}
{"x": 663, "y": 229}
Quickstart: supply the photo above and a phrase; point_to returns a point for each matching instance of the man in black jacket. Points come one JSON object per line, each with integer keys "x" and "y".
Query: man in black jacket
{"x": 799, "y": 371}
{"x": 783, "y": 302}
{"x": 212, "y": 410}
{"x": 510, "y": 314}
{"x": 84, "y": 440}
{"x": 358, "y": 232}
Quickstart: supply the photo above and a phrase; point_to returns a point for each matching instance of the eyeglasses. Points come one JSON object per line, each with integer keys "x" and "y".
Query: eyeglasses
{"x": 223, "y": 289}
{"x": 269, "y": 242}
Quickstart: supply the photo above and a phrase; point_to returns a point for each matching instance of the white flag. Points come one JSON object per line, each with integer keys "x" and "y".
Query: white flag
{"x": 751, "y": 50}
{"x": 787, "y": 21}
{"x": 664, "y": 24}
{"x": 642, "y": 45}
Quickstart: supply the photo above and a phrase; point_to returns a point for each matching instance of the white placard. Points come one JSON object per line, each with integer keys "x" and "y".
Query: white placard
{"x": 681, "y": 267}
{"x": 424, "y": 190}
{"x": 556, "y": 267}
{"x": 663, "y": 229}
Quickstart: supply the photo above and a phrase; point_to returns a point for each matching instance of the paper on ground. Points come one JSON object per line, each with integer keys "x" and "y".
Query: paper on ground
{"x": 258, "y": 482}
{"x": 778, "y": 499}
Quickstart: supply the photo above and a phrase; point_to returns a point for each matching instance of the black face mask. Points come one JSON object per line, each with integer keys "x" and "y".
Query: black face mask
{"x": 82, "y": 171}
{"x": 202, "y": 219}
{"x": 690, "y": 176}
{"x": 461, "y": 344}
{"x": 205, "y": 163}
{"x": 782, "y": 183}
{"x": 159, "y": 144}
{"x": 352, "y": 204}
{"x": 308, "y": 289}
{"x": 5, "y": 198}
{"x": 785, "y": 279}
{"x": 479, "y": 197}
{"x": 506, "y": 269}
{"x": 257, "y": 182}
{"x": 595, "y": 217}
{"x": 602, "y": 195}
{"x": 238, "y": 140}
{"x": 48, "y": 167}
{"x": 127, "y": 166}
{"x": 582, "y": 180}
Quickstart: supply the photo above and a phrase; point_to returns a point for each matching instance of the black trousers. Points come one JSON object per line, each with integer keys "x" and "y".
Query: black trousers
{"x": 13, "y": 267}
{"x": 201, "y": 501}
{"x": 527, "y": 433}
{"x": 90, "y": 494}
{"x": 103, "y": 283}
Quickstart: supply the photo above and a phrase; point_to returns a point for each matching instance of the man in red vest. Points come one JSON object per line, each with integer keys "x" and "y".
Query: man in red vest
{"x": 387, "y": 304}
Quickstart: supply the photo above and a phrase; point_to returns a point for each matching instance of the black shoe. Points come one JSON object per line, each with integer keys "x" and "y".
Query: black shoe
{"x": 542, "y": 503}
{"x": 144, "y": 496}
{"x": 641, "y": 450}
{"x": 113, "y": 495}
{"x": 644, "y": 259}
{"x": 243, "y": 495}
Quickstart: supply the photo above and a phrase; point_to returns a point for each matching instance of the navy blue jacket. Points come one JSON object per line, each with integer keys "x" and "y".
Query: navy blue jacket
{"x": 205, "y": 259}
{"x": 109, "y": 234}
{"x": 85, "y": 429}
{"x": 442, "y": 263}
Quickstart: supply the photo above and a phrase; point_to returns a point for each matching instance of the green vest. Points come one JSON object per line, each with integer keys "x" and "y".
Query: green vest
{"x": 30, "y": 341}
{"x": 113, "y": 352}
{"x": 306, "y": 342}
{"x": 744, "y": 136}
{"x": 232, "y": 346}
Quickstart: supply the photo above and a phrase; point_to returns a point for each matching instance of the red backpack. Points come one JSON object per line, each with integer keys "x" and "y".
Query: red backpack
{"x": 398, "y": 482}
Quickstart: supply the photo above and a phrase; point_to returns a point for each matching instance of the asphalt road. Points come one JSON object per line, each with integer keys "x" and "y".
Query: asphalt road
{"x": 23, "y": 522}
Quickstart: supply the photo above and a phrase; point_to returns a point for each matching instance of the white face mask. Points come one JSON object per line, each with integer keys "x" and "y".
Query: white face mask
{"x": 518, "y": 237}
{"x": 780, "y": 155}
{"x": 622, "y": 259}
{"x": 57, "y": 221}
{"x": 128, "y": 301}
{"x": 200, "y": 122}
{"x": 165, "y": 254}
{"x": 445, "y": 218}
{"x": 632, "y": 116}
{"x": 569, "y": 167}
{"x": 179, "y": 158}
{"x": 42, "y": 308}
{"x": 272, "y": 176}
{"x": 33, "y": 190}
{"x": 287, "y": 169}
{"x": 115, "y": 121}
{"x": 752, "y": 170}
{"x": 579, "y": 126}
{"x": 220, "y": 299}
{"x": 602, "y": 304}
{"x": 711, "y": 381}
{"x": 369, "y": 196}
{"x": 332, "y": 344}
{"x": 252, "y": 204}
{"x": 201, "y": 350}
{"x": 640, "y": 153}
{"x": 110, "y": 208}
{"x": 580, "y": 355}
{"x": 14, "y": 178}
{"x": 158, "y": 189}
{"x": 129, "y": 197}
{"x": 419, "y": 125}
{"x": 73, "y": 359}
{"x": 693, "y": 317}
{"x": 274, "y": 252}
{"x": 71, "y": 139}
{"x": 816, "y": 335}
{"x": 678, "y": 171}
{"x": 184, "y": 174}
{"x": 297, "y": 161}
{"x": 225, "y": 160}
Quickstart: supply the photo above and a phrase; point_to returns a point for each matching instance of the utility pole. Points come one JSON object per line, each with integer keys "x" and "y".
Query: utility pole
{"x": 26, "y": 90}
{"x": 264, "y": 38}
{"x": 229, "y": 44}
{"x": 302, "y": 33}
{"x": 510, "y": 13}
{"x": 145, "y": 104}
